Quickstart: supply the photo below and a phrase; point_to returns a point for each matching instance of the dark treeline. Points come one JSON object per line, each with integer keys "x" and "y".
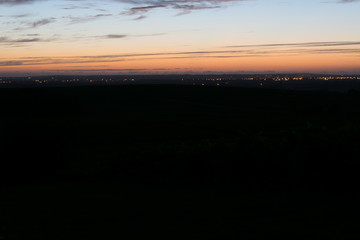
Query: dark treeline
{"x": 254, "y": 139}
{"x": 247, "y": 141}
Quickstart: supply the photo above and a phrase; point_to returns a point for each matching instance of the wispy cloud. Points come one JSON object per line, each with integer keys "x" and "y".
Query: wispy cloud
{"x": 75, "y": 7}
{"x": 348, "y": 1}
{"x": 144, "y": 6}
{"x": 42, "y": 22}
{"x": 115, "y": 36}
{"x": 19, "y": 40}
{"x": 26, "y": 24}
{"x": 305, "y": 44}
{"x": 16, "y": 2}
{"x": 16, "y": 42}
{"x": 20, "y": 15}
{"x": 11, "y": 63}
{"x": 142, "y": 9}
{"x": 139, "y": 17}
{"x": 75, "y": 20}
{"x": 249, "y": 51}
{"x": 151, "y": 4}
{"x": 120, "y": 36}
{"x": 184, "y": 6}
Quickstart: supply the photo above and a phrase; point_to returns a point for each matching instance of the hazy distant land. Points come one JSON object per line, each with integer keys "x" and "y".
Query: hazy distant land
{"x": 320, "y": 82}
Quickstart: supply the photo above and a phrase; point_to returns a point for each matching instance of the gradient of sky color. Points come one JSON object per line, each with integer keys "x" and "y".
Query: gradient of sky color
{"x": 183, "y": 36}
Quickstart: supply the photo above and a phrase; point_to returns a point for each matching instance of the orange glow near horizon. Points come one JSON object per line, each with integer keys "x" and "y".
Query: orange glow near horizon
{"x": 183, "y": 63}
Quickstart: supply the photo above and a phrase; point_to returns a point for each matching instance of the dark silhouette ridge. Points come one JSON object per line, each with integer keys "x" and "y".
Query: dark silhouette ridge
{"x": 182, "y": 134}
{"x": 148, "y": 160}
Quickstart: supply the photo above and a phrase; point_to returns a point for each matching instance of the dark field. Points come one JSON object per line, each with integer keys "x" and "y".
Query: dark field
{"x": 179, "y": 162}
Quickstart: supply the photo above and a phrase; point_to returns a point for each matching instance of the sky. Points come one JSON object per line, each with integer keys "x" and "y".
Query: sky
{"x": 40, "y": 37}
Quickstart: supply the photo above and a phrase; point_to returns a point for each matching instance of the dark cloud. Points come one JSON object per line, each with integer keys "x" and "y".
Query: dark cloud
{"x": 119, "y": 36}
{"x": 143, "y": 6}
{"x": 182, "y": 4}
{"x": 115, "y": 36}
{"x": 185, "y": 6}
{"x": 20, "y": 41}
{"x": 194, "y": 7}
{"x": 16, "y": 2}
{"x": 27, "y": 40}
{"x": 141, "y": 10}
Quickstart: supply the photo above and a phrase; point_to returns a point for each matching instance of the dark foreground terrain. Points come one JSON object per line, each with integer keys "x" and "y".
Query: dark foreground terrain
{"x": 179, "y": 162}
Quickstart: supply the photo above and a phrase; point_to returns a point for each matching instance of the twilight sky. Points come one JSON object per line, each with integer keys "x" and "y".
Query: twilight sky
{"x": 181, "y": 36}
